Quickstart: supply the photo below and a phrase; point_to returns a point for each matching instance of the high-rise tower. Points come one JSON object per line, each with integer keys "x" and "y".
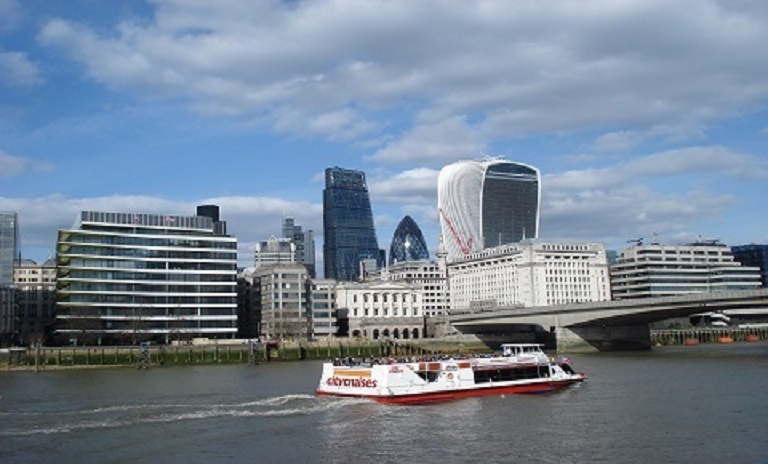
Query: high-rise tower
{"x": 349, "y": 235}
{"x": 487, "y": 203}
{"x": 408, "y": 243}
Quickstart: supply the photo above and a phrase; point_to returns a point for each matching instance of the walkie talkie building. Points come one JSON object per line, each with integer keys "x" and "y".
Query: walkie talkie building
{"x": 349, "y": 235}
{"x": 487, "y": 203}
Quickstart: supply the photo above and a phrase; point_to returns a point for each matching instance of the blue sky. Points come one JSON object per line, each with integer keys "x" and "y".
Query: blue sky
{"x": 647, "y": 118}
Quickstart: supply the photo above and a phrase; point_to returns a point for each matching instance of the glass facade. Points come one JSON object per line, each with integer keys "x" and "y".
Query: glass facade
{"x": 755, "y": 256}
{"x": 125, "y": 277}
{"x": 487, "y": 203}
{"x": 510, "y": 204}
{"x": 9, "y": 245}
{"x": 349, "y": 235}
{"x": 9, "y": 248}
{"x": 408, "y": 243}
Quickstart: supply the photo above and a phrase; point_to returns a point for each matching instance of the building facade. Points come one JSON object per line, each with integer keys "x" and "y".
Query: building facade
{"x": 529, "y": 273}
{"x": 408, "y": 243}
{"x": 9, "y": 252}
{"x": 274, "y": 251}
{"x": 488, "y": 203}
{"x": 304, "y": 241}
{"x": 378, "y": 310}
{"x": 35, "y": 286}
{"x": 128, "y": 278}
{"x": 349, "y": 234}
{"x": 753, "y": 256}
{"x": 280, "y": 298}
{"x": 656, "y": 270}
{"x": 322, "y": 308}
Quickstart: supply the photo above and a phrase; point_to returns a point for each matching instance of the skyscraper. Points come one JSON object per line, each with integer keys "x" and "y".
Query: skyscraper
{"x": 304, "y": 241}
{"x": 349, "y": 235}
{"x": 487, "y": 203}
{"x": 9, "y": 248}
{"x": 9, "y": 245}
{"x": 408, "y": 243}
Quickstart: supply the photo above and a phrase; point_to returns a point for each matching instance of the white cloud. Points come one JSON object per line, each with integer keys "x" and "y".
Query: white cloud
{"x": 448, "y": 140}
{"x": 339, "y": 69}
{"x": 617, "y": 141}
{"x": 17, "y": 71}
{"x": 699, "y": 159}
{"x": 11, "y": 165}
{"x": 250, "y": 219}
{"x": 9, "y": 14}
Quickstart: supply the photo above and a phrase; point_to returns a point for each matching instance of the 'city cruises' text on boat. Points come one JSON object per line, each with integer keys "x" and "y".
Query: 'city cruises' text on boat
{"x": 519, "y": 368}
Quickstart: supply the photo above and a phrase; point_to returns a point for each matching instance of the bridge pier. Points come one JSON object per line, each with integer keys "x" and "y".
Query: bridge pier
{"x": 585, "y": 339}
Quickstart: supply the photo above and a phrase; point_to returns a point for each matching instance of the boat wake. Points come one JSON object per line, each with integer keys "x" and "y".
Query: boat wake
{"x": 129, "y": 415}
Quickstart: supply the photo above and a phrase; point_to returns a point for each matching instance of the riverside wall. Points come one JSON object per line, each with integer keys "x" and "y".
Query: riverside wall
{"x": 147, "y": 356}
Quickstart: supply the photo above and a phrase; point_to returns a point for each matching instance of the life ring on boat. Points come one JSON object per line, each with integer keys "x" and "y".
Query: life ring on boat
{"x": 449, "y": 375}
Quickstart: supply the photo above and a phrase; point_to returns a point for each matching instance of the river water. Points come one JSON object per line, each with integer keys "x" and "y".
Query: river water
{"x": 706, "y": 403}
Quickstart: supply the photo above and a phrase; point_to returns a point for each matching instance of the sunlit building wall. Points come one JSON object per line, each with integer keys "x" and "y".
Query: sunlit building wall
{"x": 529, "y": 273}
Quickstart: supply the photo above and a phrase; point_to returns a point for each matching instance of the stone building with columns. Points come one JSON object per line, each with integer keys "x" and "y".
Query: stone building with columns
{"x": 382, "y": 310}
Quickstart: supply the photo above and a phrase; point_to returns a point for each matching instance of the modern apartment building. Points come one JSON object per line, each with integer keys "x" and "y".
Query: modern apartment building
{"x": 656, "y": 270}
{"x": 529, "y": 273}
{"x": 349, "y": 234}
{"x": 408, "y": 243}
{"x": 487, "y": 203}
{"x": 126, "y": 278}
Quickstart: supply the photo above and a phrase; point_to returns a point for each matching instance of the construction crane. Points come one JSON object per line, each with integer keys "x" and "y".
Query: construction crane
{"x": 465, "y": 248}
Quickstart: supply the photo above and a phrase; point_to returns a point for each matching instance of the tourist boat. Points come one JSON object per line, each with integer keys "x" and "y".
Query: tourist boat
{"x": 518, "y": 368}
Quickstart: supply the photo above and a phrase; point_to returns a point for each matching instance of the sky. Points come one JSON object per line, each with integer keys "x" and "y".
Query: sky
{"x": 647, "y": 118}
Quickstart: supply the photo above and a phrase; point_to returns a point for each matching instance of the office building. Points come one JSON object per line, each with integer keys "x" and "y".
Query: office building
{"x": 128, "y": 278}
{"x": 753, "y": 256}
{"x": 408, "y": 243}
{"x": 349, "y": 234}
{"x": 381, "y": 309}
{"x": 36, "y": 300}
{"x": 527, "y": 274}
{"x": 274, "y": 251}
{"x": 304, "y": 241}
{"x": 321, "y": 306}
{"x": 656, "y": 270}
{"x": 487, "y": 203}
{"x": 280, "y": 301}
{"x": 212, "y": 211}
{"x": 9, "y": 252}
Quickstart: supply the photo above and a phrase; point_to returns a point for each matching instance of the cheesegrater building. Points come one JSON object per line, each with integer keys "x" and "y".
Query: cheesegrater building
{"x": 128, "y": 278}
{"x": 487, "y": 203}
{"x": 349, "y": 235}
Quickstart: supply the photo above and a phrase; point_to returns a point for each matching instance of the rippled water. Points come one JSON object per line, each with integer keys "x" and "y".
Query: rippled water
{"x": 686, "y": 404}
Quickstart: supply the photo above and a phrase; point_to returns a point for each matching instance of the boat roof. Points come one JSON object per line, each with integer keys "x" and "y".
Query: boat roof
{"x": 523, "y": 344}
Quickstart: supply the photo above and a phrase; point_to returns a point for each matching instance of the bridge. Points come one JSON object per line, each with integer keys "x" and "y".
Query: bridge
{"x": 604, "y": 325}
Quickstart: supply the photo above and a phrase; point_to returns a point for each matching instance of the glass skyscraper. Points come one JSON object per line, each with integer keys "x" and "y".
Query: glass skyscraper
{"x": 487, "y": 203}
{"x": 126, "y": 278}
{"x": 9, "y": 249}
{"x": 9, "y": 245}
{"x": 349, "y": 235}
{"x": 408, "y": 243}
